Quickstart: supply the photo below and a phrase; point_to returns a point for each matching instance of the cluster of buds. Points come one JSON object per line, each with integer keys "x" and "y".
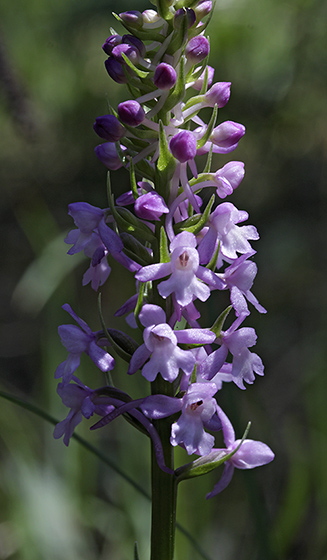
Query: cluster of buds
{"x": 178, "y": 250}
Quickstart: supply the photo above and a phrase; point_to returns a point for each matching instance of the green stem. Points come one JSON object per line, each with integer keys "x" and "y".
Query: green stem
{"x": 164, "y": 490}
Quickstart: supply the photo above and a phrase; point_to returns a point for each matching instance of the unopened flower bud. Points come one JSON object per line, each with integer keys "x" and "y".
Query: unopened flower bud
{"x": 164, "y": 76}
{"x": 115, "y": 70}
{"x": 128, "y": 50}
{"x": 111, "y": 42}
{"x": 131, "y": 112}
{"x": 135, "y": 42}
{"x": 182, "y": 13}
{"x": 150, "y": 206}
{"x": 199, "y": 82}
{"x": 233, "y": 172}
{"x": 218, "y": 94}
{"x": 197, "y": 49}
{"x": 109, "y": 128}
{"x": 183, "y": 146}
{"x": 133, "y": 18}
{"x": 203, "y": 9}
{"x": 107, "y": 153}
{"x": 227, "y": 134}
{"x": 150, "y": 16}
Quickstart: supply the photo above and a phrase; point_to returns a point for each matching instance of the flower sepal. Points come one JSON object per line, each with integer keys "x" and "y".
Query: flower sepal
{"x": 209, "y": 462}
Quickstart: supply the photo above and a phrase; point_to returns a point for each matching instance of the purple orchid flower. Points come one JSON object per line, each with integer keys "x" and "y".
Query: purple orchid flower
{"x": 82, "y": 401}
{"x": 188, "y": 280}
{"x": 239, "y": 279}
{"x": 198, "y": 410}
{"x": 160, "y": 345}
{"x": 233, "y": 239}
{"x": 245, "y": 363}
{"x": 251, "y": 454}
{"x": 78, "y": 340}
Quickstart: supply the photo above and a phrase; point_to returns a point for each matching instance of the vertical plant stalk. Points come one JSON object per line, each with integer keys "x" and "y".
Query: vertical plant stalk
{"x": 164, "y": 490}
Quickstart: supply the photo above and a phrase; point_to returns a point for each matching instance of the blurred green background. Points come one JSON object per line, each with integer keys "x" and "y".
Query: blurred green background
{"x": 58, "y": 503}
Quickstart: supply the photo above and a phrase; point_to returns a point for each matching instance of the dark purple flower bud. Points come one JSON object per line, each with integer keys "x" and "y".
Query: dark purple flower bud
{"x": 128, "y": 50}
{"x": 136, "y": 43}
{"x": 110, "y": 43}
{"x": 183, "y": 146}
{"x": 218, "y": 94}
{"x": 107, "y": 153}
{"x": 227, "y": 134}
{"x": 164, "y": 76}
{"x": 133, "y": 18}
{"x": 182, "y": 13}
{"x": 150, "y": 206}
{"x": 109, "y": 128}
{"x": 131, "y": 112}
{"x": 199, "y": 82}
{"x": 115, "y": 70}
{"x": 197, "y": 49}
{"x": 203, "y": 9}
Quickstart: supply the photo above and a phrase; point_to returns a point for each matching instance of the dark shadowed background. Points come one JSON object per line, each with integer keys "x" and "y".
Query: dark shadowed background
{"x": 58, "y": 503}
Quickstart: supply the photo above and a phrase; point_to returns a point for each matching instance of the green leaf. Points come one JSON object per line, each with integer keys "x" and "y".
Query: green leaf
{"x": 131, "y": 224}
{"x": 219, "y": 323}
{"x": 142, "y": 133}
{"x": 145, "y": 169}
{"x": 193, "y": 101}
{"x": 165, "y": 166}
{"x": 136, "y": 250}
{"x": 205, "y": 82}
{"x": 133, "y": 180}
{"x": 166, "y": 160}
{"x": 185, "y": 4}
{"x": 123, "y": 344}
{"x": 196, "y": 223}
{"x": 207, "y": 166}
{"x": 179, "y": 37}
{"x": 139, "y": 304}
{"x": 209, "y": 462}
{"x": 200, "y": 143}
{"x": 164, "y": 251}
{"x": 163, "y": 9}
{"x": 140, "y": 73}
{"x": 213, "y": 263}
